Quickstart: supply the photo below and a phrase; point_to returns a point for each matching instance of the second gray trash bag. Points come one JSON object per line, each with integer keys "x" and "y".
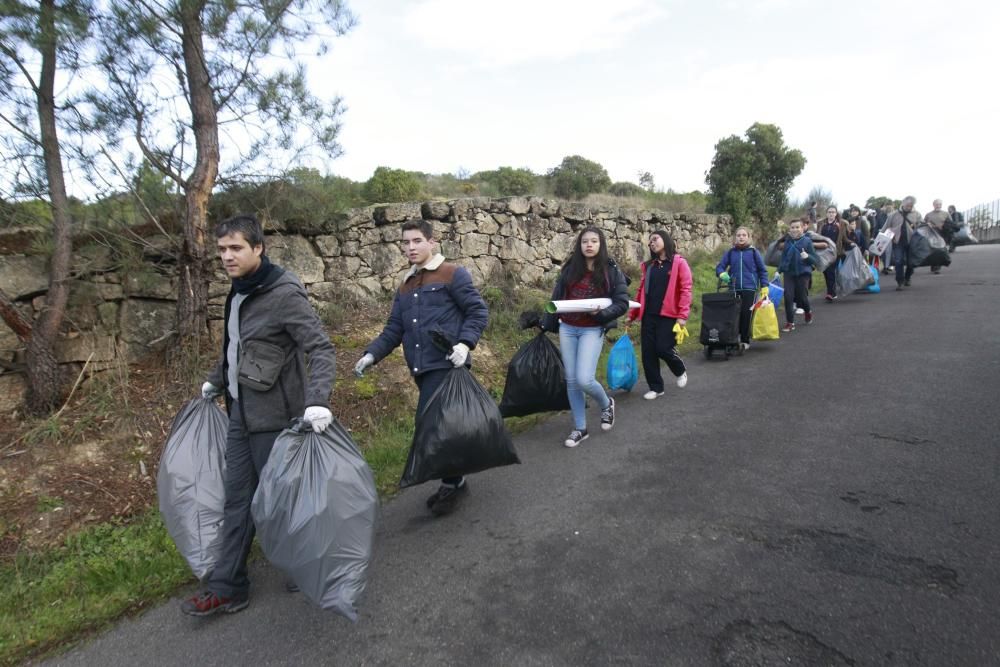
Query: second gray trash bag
{"x": 190, "y": 483}
{"x": 315, "y": 511}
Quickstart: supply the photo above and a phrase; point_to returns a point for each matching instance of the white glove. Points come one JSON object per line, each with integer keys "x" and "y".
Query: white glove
{"x": 209, "y": 390}
{"x": 363, "y": 363}
{"x": 459, "y": 354}
{"x": 319, "y": 417}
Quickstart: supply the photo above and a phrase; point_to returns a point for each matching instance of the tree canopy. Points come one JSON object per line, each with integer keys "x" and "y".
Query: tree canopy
{"x": 577, "y": 176}
{"x": 750, "y": 177}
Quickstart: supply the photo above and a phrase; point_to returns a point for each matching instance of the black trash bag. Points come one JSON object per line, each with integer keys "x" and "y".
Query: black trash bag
{"x": 928, "y": 248}
{"x": 315, "y": 510}
{"x": 536, "y": 380}
{"x": 190, "y": 482}
{"x": 460, "y": 431}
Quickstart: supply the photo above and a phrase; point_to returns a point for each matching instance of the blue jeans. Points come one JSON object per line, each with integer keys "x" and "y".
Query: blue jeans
{"x": 580, "y": 348}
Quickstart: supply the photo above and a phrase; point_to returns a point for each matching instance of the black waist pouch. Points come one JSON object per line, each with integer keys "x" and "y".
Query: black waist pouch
{"x": 260, "y": 365}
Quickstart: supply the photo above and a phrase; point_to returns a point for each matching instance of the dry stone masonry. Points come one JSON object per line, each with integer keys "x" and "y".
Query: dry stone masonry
{"x": 119, "y": 314}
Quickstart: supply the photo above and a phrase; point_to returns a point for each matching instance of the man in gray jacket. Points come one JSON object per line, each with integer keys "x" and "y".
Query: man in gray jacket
{"x": 901, "y": 224}
{"x": 271, "y": 330}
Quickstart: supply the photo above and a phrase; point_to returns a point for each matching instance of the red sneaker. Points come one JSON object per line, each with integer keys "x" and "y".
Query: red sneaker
{"x": 207, "y": 603}
{"x": 809, "y": 318}
{"x": 789, "y": 326}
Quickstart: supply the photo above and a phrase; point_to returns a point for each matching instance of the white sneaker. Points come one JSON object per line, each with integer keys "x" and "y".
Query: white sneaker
{"x": 682, "y": 380}
{"x": 799, "y": 311}
{"x": 650, "y": 395}
{"x": 745, "y": 346}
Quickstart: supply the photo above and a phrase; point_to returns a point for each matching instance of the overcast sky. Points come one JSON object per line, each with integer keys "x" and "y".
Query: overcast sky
{"x": 882, "y": 96}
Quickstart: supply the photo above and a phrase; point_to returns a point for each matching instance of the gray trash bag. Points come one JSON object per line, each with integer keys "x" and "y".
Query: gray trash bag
{"x": 853, "y": 273}
{"x": 964, "y": 236}
{"x": 825, "y": 250}
{"x": 190, "y": 482}
{"x": 315, "y": 511}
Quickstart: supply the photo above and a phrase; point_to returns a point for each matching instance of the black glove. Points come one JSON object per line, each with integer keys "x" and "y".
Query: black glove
{"x": 530, "y": 319}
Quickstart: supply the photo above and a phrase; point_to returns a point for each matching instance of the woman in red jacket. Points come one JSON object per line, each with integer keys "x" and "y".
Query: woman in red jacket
{"x": 664, "y": 298}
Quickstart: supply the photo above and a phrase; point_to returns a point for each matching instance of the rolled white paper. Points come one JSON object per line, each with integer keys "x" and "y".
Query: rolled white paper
{"x": 581, "y": 305}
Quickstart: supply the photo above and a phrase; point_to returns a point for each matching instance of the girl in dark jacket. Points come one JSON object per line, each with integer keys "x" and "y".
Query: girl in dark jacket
{"x": 743, "y": 269}
{"x": 664, "y": 298}
{"x": 832, "y": 229}
{"x": 588, "y": 273}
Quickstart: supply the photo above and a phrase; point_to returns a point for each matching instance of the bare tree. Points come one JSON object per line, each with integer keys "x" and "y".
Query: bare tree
{"x": 180, "y": 73}
{"x": 36, "y": 41}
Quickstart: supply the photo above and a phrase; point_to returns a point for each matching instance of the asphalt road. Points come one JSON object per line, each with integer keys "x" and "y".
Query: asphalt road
{"x": 828, "y": 499}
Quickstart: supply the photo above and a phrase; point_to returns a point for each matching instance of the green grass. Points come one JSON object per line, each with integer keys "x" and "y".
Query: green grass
{"x": 97, "y": 575}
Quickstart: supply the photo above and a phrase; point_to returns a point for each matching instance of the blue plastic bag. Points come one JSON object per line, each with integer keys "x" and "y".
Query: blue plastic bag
{"x": 623, "y": 369}
{"x": 874, "y": 287}
{"x": 775, "y": 291}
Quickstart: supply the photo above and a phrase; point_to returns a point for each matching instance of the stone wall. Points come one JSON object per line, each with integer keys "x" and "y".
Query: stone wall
{"x": 122, "y": 313}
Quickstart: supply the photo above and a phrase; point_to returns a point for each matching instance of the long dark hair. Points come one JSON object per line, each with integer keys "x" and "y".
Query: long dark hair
{"x": 668, "y": 246}
{"x": 576, "y": 265}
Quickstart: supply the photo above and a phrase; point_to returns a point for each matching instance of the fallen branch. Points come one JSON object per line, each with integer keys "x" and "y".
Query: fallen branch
{"x": 75, "y": 385}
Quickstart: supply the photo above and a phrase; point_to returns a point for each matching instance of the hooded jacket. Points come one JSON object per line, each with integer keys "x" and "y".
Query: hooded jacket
{"x": 746, "y": 268}
{"x": 791, "y": 260}
{"x": 277, "y": 317}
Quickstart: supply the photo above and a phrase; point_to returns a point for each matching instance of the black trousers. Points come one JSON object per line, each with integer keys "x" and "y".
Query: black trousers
{"x": 747, "y": 297}
{"x": 246, "y": 455}
{"x": 796, "y": 292}
{"x": 659, "y": 342}
{"x": 427, "y": 384}
{"x": 830, "y": 274}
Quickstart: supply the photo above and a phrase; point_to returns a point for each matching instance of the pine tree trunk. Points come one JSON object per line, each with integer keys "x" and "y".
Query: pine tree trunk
{"x": 192, "y": 298}
{"x": 44, "y": 377}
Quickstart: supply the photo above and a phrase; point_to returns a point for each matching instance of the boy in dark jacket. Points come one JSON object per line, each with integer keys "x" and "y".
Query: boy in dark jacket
{"x": 743, "y": 269}
{"x": 797, "y": 261}
{"x": 270, "y": 330}
{"x": 437, "y": 299}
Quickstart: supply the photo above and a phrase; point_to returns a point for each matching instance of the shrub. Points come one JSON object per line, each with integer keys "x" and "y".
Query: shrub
{"x": 577, "y": 177}
{"x": 391, "y": 185}
{"x": 626, "y": 189}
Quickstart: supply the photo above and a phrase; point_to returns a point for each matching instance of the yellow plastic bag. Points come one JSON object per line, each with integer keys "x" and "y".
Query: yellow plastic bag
{"x": 765, "y": 323}
{"x": 680, "y": 333}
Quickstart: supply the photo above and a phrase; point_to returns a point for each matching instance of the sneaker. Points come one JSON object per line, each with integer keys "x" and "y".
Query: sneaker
{"x": 906, "y": 283}
{"x": 829, "y": 298}
{"x": 291, "y": 586}
{"x": 899, "y": 288}
{"x": 789, "y": 326}
{"x": 682, "y": 380}
{"x": 745, "y": 346}
{"x": 447, "y": 498}
{"x": 608, "y": 416}
{"x": 799, "y": 311}
{"x": 809, "y": 318}
{"x": 207, "y": 603}
{"x": 650, "y": 395}
{"x": 576, "y": 437}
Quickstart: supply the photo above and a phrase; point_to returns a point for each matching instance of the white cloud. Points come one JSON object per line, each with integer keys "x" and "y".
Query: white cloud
{"x": 501, "y": 34}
